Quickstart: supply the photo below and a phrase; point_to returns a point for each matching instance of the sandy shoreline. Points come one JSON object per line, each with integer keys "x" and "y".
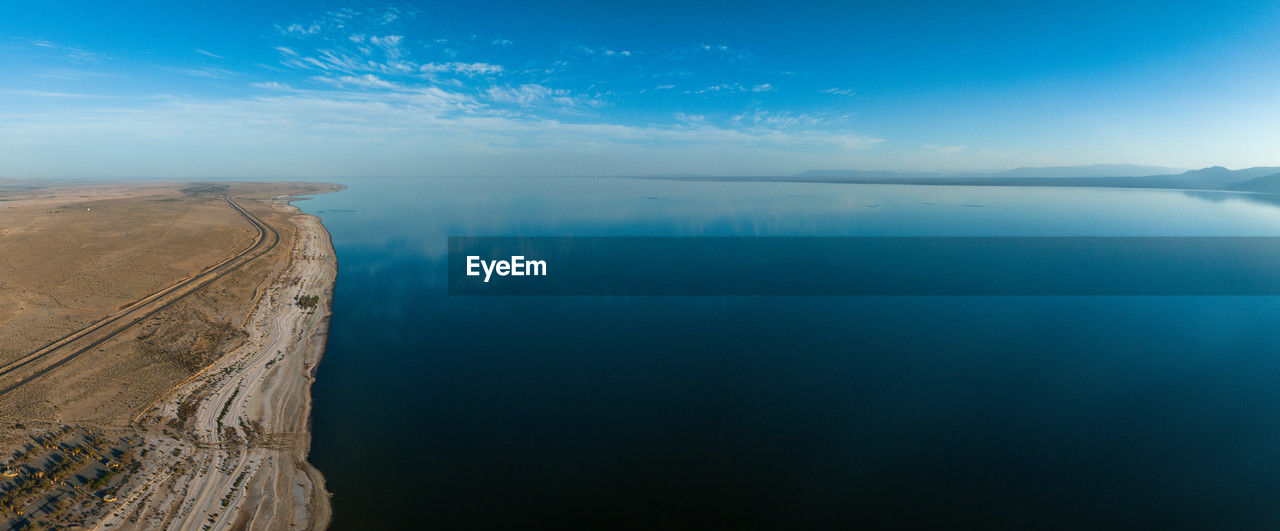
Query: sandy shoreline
{"x": 228, "y": 447}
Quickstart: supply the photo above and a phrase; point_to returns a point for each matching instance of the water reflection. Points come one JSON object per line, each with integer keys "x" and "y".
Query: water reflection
{"x": 415, "y": 215}
{"x": 649, "y": 412}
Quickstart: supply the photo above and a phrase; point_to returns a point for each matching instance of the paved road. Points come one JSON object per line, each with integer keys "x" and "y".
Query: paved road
{"x": 62, "y": 350}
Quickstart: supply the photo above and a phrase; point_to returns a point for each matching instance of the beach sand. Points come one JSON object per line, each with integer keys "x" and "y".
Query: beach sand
{"x": 228, "y": 447}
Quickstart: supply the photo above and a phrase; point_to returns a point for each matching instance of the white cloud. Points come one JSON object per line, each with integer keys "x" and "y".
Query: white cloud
{"x": 838, "y": 91}
{"x": 341, "y": 60}
{"x": 51, "y": 94}
{"x": 349, "y": 131}
{"x": 356, "y": 97}
{"x": 71, "y": 53}
{"x": 335, "y": 23}
{"x": 723, "y": 51}
{"x": 390, "y": 45}
{"x": 469, "y": 69}
{"x": 604, "y": 51}
{"x": 719, "y": 88}
{"x": 204, "y": 72}
{"x": 368, "y": 81}
{"x": 298, "y": 30}
{"x": 272, "y": 85}
{"x": 527, "y": 94}
{"x": 731, "y": 88}
{"x": 787, "y": 120}
{"x": 385, "y": 55}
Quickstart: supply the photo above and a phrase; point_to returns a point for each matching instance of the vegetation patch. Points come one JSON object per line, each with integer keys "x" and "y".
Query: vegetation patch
{"x": 199, "y": 189}
{"x": 307, "y": 302}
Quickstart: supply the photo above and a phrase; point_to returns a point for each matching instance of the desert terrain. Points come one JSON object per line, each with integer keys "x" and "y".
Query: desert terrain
{"x": 157, "y": 345}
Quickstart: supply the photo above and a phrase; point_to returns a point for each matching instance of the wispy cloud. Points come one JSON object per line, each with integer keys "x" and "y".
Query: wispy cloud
{"x": 462, "y": 68}
{"x": 818, "y": 122}
{"x": 603, "y": 51}
{"x": 204, "y": 72}
{"x": 364, "y": 60}
{"x": 367, "y": 81}
{"x": 71, "y": 53}
{"x": 725, "y": 52}
{"x": 343, "y": 130}
{"x": 731, "y": 88}
{"x": 531, "y": 93}
{"x": 298, "y": 30}
{"x": 390, "y": 45}
{"x": 945, "y": 149}
{"x": 61, "y": 95}
{"x": 838, "y": 91}
{"x": 348, "y": 20}
{"x": 354, "y": 82}
{"x": 273, "y": 85}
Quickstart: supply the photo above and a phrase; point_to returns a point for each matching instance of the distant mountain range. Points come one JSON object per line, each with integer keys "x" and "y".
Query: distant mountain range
{"x": 1259, "y": 179}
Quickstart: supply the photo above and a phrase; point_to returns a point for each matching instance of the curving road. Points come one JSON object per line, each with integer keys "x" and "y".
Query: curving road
{"x": 66, "y": 348}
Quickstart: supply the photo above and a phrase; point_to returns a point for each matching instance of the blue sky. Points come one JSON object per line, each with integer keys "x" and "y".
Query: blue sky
{"x": 342, "y": 89}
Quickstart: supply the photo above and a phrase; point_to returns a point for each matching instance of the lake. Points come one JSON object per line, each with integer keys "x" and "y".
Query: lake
{"x": 784, "y": 412}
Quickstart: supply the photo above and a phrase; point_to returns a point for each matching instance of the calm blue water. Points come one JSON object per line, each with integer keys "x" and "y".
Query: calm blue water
{"x": 654, "y": 412}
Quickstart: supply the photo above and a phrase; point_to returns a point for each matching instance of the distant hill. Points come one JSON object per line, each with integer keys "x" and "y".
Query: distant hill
{"x": 1268, "y": 184}
{"x": 1045, "y": 172}
{"x": 1259, "y": 179}
{"x": 1222, "y": 176}
{"x": 1263, "y": 178}
{"x": 1095, "y": 170}
{"x": 868, "y": 174}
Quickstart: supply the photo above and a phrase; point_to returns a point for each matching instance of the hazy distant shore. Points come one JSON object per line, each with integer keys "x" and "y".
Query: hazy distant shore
{"x": 1264, "y": 179}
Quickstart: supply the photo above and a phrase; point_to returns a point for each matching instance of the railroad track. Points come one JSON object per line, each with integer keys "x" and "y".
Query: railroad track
{"x": 60, "y": 351}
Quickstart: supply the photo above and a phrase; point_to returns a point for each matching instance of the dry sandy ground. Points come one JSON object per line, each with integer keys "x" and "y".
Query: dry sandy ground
{"x": 68, "y": 256}
{"x": 195, "y": 414}
{"x": 240, "y": 459}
